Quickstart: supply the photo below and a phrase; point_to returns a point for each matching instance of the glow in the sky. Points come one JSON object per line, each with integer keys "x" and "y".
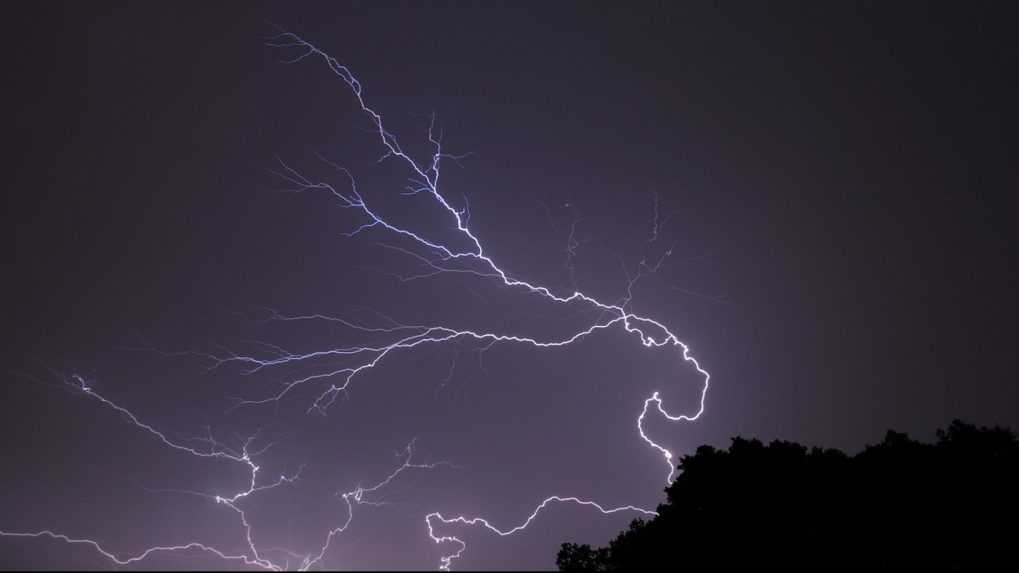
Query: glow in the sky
{"x": 466, "y": 255}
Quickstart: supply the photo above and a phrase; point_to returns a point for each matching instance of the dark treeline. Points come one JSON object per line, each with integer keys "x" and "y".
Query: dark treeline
{"x": 900, "y": 504}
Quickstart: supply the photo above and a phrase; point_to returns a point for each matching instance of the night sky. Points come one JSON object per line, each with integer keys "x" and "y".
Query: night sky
{"x": 835, "y": 184}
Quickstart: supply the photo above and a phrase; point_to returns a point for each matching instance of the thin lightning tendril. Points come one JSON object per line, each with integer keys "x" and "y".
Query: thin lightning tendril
{"x": 436, "y": 257}
{"x": 360, "y": 495}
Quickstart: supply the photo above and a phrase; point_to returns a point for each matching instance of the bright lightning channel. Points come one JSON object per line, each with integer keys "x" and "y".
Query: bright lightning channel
{"x": 438, "y": 257}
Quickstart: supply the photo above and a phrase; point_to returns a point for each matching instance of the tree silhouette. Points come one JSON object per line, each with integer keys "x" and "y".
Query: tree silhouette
{"x": 950, "y": 505}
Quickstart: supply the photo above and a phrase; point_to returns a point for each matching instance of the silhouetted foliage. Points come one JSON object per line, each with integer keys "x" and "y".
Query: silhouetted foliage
{"x": 900, "y": 504}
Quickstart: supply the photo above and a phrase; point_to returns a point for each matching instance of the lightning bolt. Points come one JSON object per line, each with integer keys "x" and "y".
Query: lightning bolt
{"x": 466, "y": 255}
{"x": 447, "y": 560}
{"x": 444, "y": 257}
{"x": 358, "y": 496}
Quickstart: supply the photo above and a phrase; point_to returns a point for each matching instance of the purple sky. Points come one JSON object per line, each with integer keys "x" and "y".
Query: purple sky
{"x": 832, "y": 184}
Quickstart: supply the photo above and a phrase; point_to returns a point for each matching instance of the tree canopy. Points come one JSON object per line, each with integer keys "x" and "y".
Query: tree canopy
{"x": 897, "y": 504}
